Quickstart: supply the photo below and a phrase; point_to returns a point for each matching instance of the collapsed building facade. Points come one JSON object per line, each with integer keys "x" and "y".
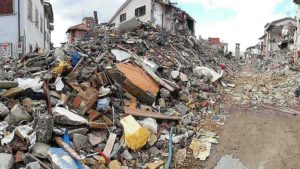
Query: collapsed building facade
{"x": 278, "y": 34}
{"x": 158, "y": 12}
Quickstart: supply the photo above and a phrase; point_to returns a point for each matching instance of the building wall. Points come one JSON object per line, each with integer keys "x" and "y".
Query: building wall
{"x": 162, "y": 16}
{"x": 130, "y": 11}
{"x": 33, "y": 36}
{"x": 9, "y": 27}
{"x": 30, "y": 34}
{"x": 75, "y": 35}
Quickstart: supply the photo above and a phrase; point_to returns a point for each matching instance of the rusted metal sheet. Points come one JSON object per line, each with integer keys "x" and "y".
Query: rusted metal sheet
{"x": 137, "y": 82}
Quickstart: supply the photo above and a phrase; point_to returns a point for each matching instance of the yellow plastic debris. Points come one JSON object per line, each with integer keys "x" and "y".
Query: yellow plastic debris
{"x": 63, "y": 65}
{"x": 135, "y": 135}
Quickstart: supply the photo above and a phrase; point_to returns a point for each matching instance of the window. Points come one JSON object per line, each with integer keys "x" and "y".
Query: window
{"x": 42, "y": 26}
{"x": 123, "y": 17}
{"x": 29, "y": 7}
{"x": 36, "y": 18}
{"x": 6, "y": 7}
{"x": 141, "y": 11}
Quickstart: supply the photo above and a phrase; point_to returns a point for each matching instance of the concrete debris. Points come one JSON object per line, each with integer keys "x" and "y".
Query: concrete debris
{"x": 18, "y": 114}
{"x": 6, "y": 161}
{"x": 64, "y": 116}
{"x": 4, "y": 111}
{"x": 115, "y": 94}
{"x": 40, "y": 150}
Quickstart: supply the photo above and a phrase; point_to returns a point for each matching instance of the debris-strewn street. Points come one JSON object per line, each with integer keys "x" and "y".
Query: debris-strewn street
{"x": 142, "y": 91}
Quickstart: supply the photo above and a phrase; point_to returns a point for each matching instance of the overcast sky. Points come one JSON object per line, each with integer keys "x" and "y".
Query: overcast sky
{"x": 233, "y": 21}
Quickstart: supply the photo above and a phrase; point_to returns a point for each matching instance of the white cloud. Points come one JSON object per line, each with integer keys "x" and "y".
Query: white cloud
{"x": 246, "y": 27}
{"x": 70, "y": 12}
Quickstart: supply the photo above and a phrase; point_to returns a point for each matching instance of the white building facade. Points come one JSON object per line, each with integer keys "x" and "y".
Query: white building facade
{"x": 25, "y": 25}
{"x": 158, "y": 12}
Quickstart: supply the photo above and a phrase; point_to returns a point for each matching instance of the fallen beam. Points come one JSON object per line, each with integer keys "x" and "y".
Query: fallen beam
{"x": 144, "y": 113}
{"x": 289, "y": 111}
{"x": 8, "y": 84}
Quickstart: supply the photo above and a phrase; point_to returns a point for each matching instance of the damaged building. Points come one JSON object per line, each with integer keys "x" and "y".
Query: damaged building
{"x": 158, "y": 12}
{"x": 78, "y": 32}
{"x": 28, "y": 26}
{"x": 278, "y": 34}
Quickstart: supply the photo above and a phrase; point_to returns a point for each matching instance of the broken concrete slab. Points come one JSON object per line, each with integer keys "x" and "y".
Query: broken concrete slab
{"x": 129, "y": 25}
{"x": 40, "y": 150}
{"x": 43, "y": 125}
{"x": 17, "y": 115}
{"x": 121, "y": 55}
{"x": 65, "y": 116}
{"x": 80, "y": 141}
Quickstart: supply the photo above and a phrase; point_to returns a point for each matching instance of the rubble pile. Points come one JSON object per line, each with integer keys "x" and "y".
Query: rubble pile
{"x": 274, "y": 81}
{"x": 139, "y": 99}
{"x": 279, "y": 64}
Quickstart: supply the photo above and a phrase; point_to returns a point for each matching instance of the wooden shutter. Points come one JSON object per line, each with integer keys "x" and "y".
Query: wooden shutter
{"x": 6, "y": 7}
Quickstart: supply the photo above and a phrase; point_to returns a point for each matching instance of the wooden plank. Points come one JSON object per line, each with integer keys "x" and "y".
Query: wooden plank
{"x": 110, "y": 144}
{"x": 144, "y": 113}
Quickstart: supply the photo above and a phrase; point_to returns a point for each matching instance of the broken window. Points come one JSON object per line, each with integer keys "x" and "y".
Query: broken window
{"x": 123, "y": 17}
{"x": 6, "y": 7}
{"x": 36, "y": 18}
{"x": 29, "y": 7}
{"x": 141, "y": 11}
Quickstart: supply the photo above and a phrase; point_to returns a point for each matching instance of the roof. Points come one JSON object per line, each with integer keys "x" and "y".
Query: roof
{"x": 119, "y": 10}
{"x": 214, "y": 41}
{"x": 78, "y": 27}
{"x": 268, "y": 25}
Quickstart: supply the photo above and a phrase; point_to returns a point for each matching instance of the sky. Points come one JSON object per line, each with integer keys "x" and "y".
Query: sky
{"x": 233, "y": 21}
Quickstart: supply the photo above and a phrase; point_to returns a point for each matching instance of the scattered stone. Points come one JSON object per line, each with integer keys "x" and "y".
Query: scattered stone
{"x": 6, "y": 161}
{"x": 175, "y": 74}
{"x": 4, "y": 111}
{"x": 164, "y": 93}
{"x": 33, "y": 165}
{"x": 182, "y": 109}
{"x": 80, "y": 141}
{"x": 40, "y": 150}
{"x": 17, "y": 115}
{"x": 155, "y": 165}
{"x": 127, "y": 155}
{"x": 154, "y": 151}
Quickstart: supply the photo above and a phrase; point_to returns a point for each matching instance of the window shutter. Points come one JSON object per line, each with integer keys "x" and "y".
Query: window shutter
{"x": 6, "y": 6}
{"x": 136, "y": 12}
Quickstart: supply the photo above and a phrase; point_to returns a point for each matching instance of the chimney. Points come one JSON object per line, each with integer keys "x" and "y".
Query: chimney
{"x": 237, "y": 51}
{"x": 96, "y": 17}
